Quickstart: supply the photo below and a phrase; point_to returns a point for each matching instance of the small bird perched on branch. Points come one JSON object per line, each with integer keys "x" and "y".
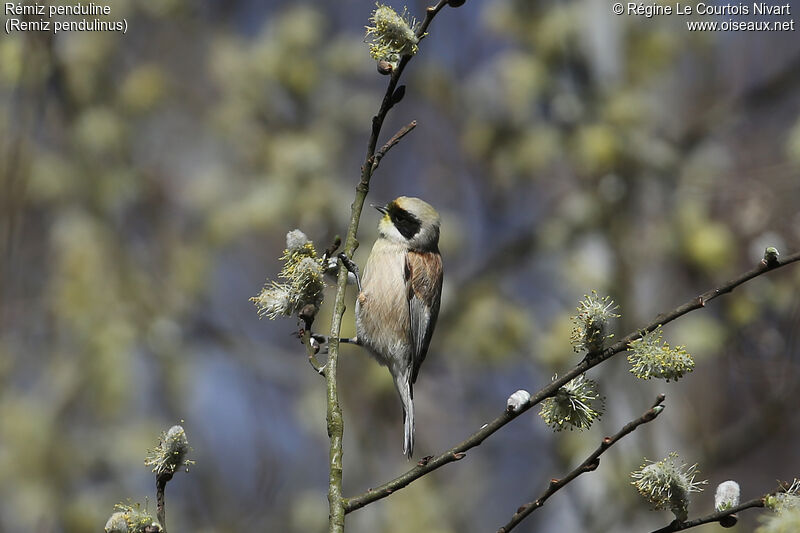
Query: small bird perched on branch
{"x": 398, "y": 302}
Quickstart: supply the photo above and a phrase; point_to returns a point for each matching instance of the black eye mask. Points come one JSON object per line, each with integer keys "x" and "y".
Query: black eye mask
{"x": 407, "y": 224}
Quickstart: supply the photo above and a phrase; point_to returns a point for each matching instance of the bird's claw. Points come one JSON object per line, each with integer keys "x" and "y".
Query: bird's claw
{"x": 351, "y": 267}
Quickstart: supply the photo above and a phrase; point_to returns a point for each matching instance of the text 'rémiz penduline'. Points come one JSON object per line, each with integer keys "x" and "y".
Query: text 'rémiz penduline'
{"x": 42, "y": 10}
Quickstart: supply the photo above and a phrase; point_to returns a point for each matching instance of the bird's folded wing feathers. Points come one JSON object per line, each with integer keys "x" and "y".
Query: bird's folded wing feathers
{"x": 423, "y": 275}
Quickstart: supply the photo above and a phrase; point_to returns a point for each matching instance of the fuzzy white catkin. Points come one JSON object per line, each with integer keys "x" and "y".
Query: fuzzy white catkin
{"x": 309, "y": 267}
{"x": 296, "y": 239}
{"x": 168, "y": 456}
{"x": 727, "y": 496}
{"x": 276, "y": 301}
{"x": 117, "y": 523}
{"x": 517, "y": 400}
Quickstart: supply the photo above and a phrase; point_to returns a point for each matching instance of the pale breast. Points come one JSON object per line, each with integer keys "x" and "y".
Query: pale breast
{"x": 382, "y": 307}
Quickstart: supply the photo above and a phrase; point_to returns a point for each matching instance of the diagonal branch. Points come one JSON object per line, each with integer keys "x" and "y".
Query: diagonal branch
{"x": 459, "y": 450}
{"x": 696, "y": 303}
{"x": 334, "y": 412}
{"x": 376, "y": 160}
{"x": 590, "y": 464}
{"x": 713, "y": 517}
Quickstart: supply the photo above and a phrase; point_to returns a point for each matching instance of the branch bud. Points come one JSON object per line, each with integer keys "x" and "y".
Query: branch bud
{"x": 384, "y": 67}
{"x": 788, "y": 499}
{"x": 517, "y": 401}
{"x": 727, "y": 496}
{"x": 771, "y": 256}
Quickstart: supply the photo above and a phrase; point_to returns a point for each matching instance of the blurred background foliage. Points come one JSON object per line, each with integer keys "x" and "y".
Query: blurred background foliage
{"x": 147, "y": 181}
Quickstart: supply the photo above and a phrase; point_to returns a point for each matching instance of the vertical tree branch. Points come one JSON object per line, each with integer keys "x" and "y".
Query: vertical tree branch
{"x": 335, "y": 422}
{"x": 161, "y": 512}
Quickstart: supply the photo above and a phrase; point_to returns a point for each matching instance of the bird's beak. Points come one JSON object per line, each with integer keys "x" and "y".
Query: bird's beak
{"x": 380, "y": 208}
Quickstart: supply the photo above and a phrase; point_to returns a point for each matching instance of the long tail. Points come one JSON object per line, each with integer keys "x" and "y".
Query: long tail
{"x": 406, "y": 392}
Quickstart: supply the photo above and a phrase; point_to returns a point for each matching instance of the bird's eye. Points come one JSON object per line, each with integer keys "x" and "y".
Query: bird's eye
{"x": 406, "y": 223}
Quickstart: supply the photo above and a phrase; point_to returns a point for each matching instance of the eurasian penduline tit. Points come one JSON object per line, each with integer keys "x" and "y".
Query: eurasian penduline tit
{"x": 399, "y": 296}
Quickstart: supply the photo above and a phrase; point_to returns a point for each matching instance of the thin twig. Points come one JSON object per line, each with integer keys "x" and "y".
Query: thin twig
{"x": 590, "y": 464}
{"x": 376, "y": 160}
{"x": 161, "y": 511}
{"x": 459, "y": 450}
{"x": 308, "y": 314}
{"x": 336, "y": 502}
{"x": 311, "y": 351}
{"x": 713, "y": 517}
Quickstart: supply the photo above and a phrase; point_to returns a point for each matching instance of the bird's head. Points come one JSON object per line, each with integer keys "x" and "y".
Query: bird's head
{"x": 410, "y": 221}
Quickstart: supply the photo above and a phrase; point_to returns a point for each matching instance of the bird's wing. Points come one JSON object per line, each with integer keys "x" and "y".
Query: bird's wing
{"x": 423, "y": 274}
